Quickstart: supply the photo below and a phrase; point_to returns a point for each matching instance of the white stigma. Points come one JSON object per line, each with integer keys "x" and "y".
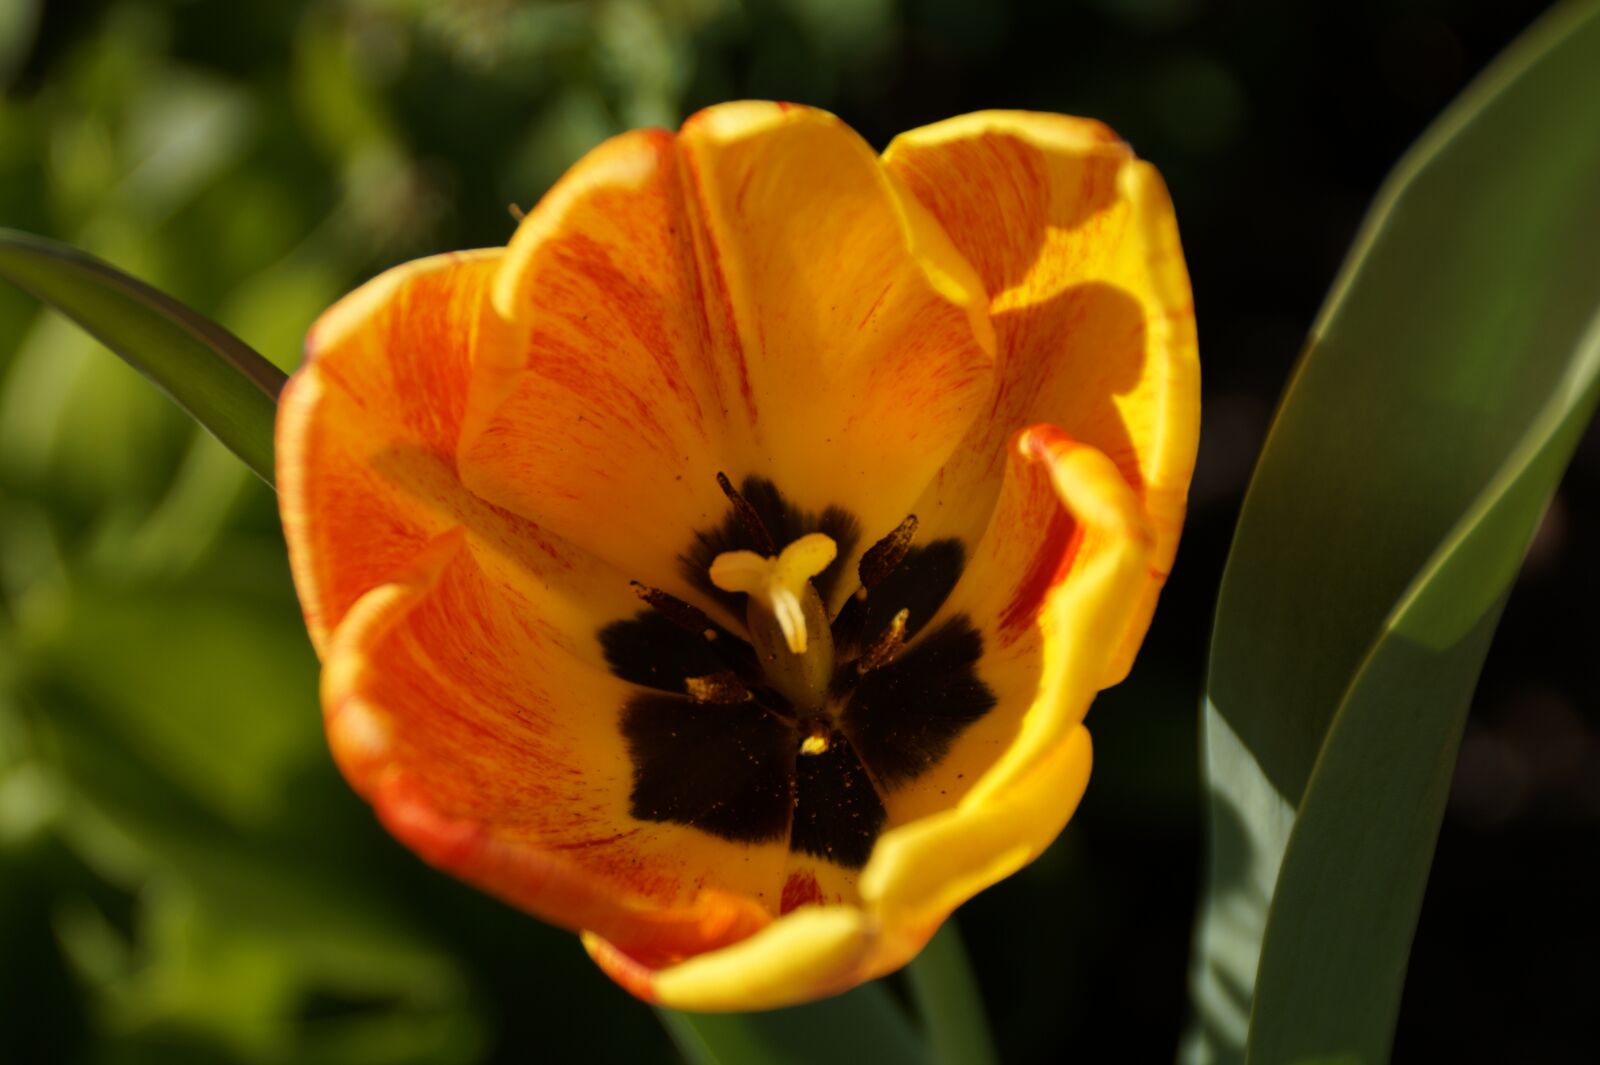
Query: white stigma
{"x": 777, "y": 583}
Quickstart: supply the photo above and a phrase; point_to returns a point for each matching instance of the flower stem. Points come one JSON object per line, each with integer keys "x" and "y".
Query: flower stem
{"x": 949, "y": 1002}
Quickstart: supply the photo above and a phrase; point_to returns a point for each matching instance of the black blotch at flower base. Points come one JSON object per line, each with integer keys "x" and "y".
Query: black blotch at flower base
{"x": 735, "y": 769}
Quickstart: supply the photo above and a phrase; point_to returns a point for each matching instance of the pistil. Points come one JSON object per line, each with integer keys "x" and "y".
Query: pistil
{"x": 787, "y": 620}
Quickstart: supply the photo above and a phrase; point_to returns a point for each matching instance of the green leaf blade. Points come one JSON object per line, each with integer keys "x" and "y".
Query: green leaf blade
{"x": 1426, "y": 427}
{"x": 1381, "y": 761}
{"x": 219, "y": 380}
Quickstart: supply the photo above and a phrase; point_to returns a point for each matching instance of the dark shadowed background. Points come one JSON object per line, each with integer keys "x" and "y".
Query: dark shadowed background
{"x": 184, "y": 877}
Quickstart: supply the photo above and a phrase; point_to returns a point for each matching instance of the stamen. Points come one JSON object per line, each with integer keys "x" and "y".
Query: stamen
{"x": 816, "y": 741}
{"x": 889, "y": 643}
{"x": 686, "y": 616}
{"x": 882, "y": 557}
{"x": 723, "y": 687}
{"x": 778, "y": 584}
{"x": 754, "y": 527}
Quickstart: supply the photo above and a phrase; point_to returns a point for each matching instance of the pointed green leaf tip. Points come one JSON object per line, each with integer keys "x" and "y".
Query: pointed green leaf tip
{"x": 213, "y": 375}
{"x": 1443, "y": 391}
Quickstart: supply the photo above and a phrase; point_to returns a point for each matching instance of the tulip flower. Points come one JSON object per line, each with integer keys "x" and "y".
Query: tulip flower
{"x": 724, "y": 568}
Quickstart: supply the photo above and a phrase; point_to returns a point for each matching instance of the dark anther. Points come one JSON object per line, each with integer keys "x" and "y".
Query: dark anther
{"x": 880, "y": 561}
{"x": 684, "y": 615}
{"x": 889, "y": 643}
{"x": 882, "y": 557}
{"x": 754, "y": 527}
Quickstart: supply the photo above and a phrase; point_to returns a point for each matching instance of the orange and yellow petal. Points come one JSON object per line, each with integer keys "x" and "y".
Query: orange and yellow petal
{"x": 598, "y": 410}
{"x": 864, "y": 333}
{"x": 1077, "y": 245}
{"x": 366, "y": 440}
{"x": 1053, "y": 586}
{"x": 464, "y": 681}
{"x": 755, "y": 296}
{"x": 367, "y": 429}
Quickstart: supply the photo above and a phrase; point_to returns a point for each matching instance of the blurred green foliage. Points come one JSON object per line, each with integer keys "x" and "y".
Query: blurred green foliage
{"x": 183, "y": 877}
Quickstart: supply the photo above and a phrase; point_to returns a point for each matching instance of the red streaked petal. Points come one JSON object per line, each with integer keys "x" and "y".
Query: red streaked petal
{"x": 1077, "y": 245}
{"x": 754, "y": 296}
{"x": 367, "y": 429}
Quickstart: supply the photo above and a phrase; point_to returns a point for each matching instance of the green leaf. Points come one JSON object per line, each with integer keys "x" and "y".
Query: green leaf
{"x": 1444, "y": 388}
{"x": 225, "y": 385}
{"x": 864, "y": 1024}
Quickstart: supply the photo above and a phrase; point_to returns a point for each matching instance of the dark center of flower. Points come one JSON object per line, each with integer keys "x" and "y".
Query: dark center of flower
{"x": 806, "y": 729}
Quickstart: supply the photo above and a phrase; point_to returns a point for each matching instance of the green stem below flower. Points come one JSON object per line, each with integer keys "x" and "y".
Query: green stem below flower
{"x": 948, "y": 1002}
